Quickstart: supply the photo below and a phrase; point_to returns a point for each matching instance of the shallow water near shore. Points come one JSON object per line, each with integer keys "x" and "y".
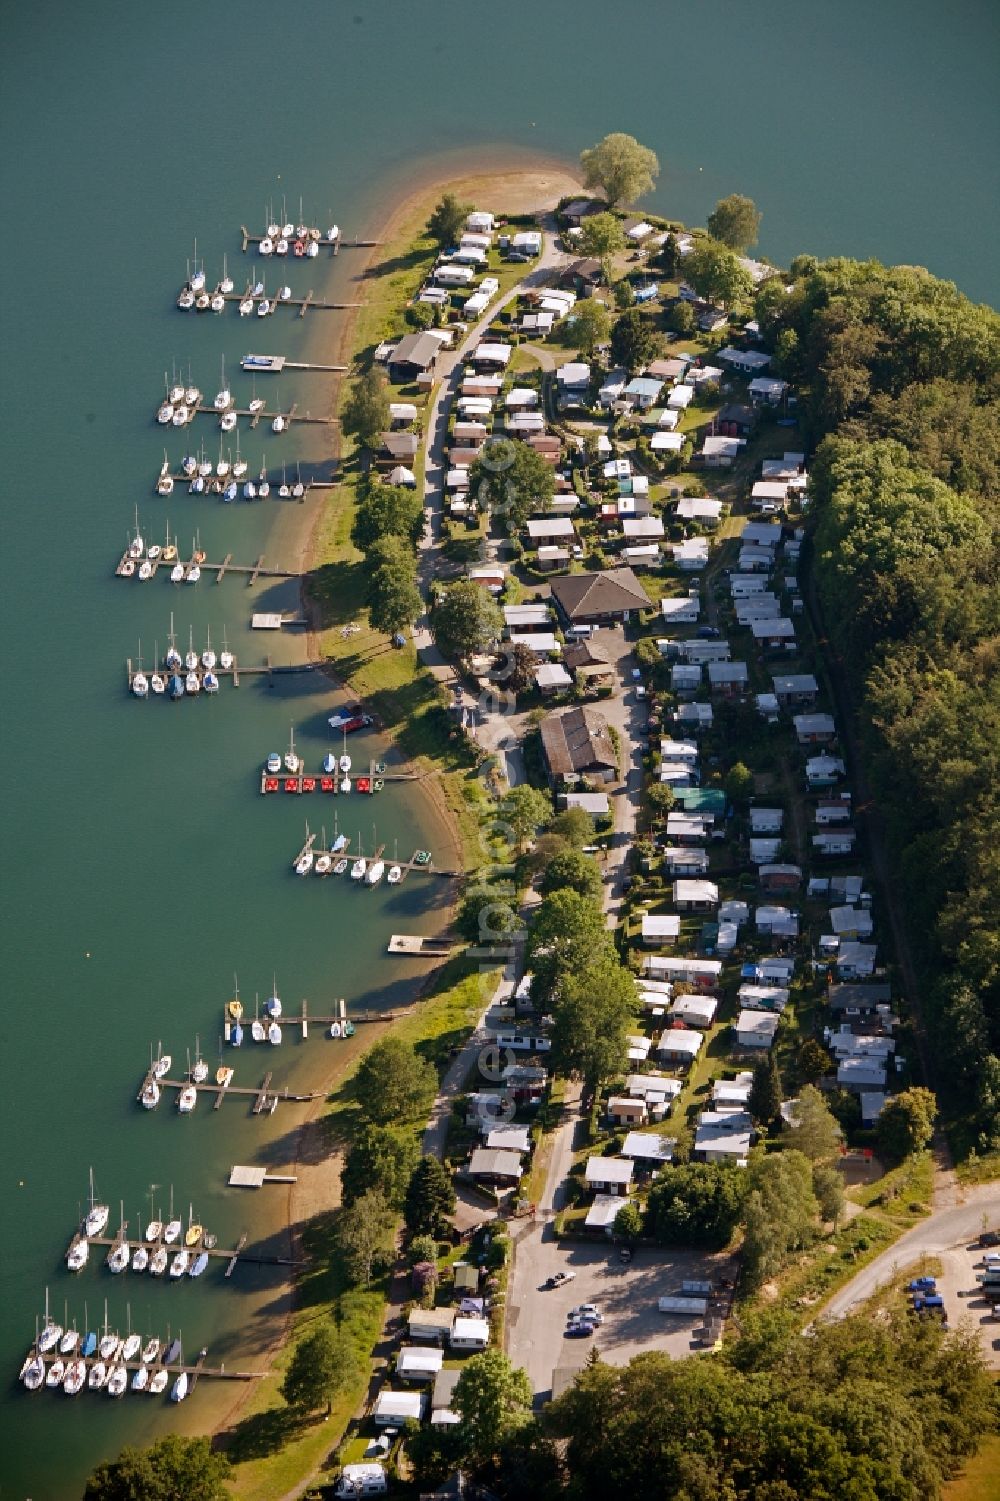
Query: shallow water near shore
{"x": 140, "y": 867}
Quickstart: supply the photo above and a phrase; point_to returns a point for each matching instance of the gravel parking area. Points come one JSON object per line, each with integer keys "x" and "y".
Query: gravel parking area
{"x": 625, "y": 1294}
{"x": 964, "y": 1298}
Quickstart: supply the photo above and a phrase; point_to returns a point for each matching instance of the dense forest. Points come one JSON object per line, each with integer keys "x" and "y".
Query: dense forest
{"x": 898, "y": 377}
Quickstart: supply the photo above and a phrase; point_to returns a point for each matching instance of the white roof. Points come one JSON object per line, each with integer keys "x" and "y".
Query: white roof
{"x": 390, "y": 1406}
{"x": 554, "y": 526}
{"x": 509, "y": 1138}
{"x": 746, "y": 359}
{"x": 660, "y": 925}
{"x": 691, "y": 508}
{"x": 772, "y": 628}
{"x": 727, "y": 672}
{"x": 496, "y": 354}
{"x": 691, "y": 550}
{"x": 763, "y": 533}
{"x": 470, "y": 1329}
{"x": 762, "y": 819}
{"x": 590, "y": 802}
{"x": 521, "y": 396}
{"x": 814, "y": 724}
{"x": 609, "y": 1170}
{"x": 719, "y": 447}
{"x": 574, "y": 373}
{"x": 525, "y": 615}
{"x": 679, "y": 750}
{"x": 646, "y": 1085}
{"x": 679, "y": 608}
{"x": 701, "y": 1008}
{"x": 638, "y": 527}
{"x": 851, "y": 920}
{"x": 680, "y": 1040}
{"x": 696, "y": 891}
{"x": 423, "y": 1360}
{"x": 540, "y": 642}
{"x": 604, "y": 1211}
{"x": 648, "y": 1146}
{"x": 552, "y": 675}
{"x": 734, "y": 911}
{"x": 760, "y": 1025}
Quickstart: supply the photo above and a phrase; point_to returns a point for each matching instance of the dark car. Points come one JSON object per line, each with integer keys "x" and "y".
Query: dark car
{"x": 518, "y": 256}
{"x": 709, "y": 633}
{"x": 922, "y": 1285}
{"x": 578, "y": 1331}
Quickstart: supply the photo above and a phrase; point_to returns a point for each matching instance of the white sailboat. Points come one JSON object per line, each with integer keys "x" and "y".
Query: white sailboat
{"x": 257, "y": 1029}
{"x": 224, "y": 397}
{"x": 78, "y": 1255}
{"x": 293, "y": 761}
{"x": 97, "y": 1214}
{"x": 187, "y": 1099}
{"x": 199, "y": 1069}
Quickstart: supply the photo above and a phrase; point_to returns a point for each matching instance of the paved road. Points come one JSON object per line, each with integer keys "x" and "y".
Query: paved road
{"x": 949, "y": 1227}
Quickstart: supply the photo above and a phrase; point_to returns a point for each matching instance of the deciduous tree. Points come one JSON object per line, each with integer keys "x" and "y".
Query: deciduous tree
{"x": 813, "y": 1061}
{"x": 697, "y": 1203}
{"x": 575, "y": 825}
{"x": 365, "y": 413}
{"x": 446, "y": 223}
{"x": 494, "y": 1400}
{"x": 828, "y": 1186}
{"x": 619, "y": 168}
{"x": 511, "y": 481}
{"x": 366, "y": 1231}
{"x": 394, "y": 600}
{"x": 387, "y": 511}
{"x": 322, "y": 1364}
{"x": 174, "y": 1468}
{"x": 588, "y": 325}
{"x": 735, "y": 221}
{"x": 602, "y": 236}
{"x": 393, "y": 1083}
{"x": 575, "y": 870}
{"x": 379, "y": 1157}
{"x": 716, "y": 274}
{"x": 593, "y": 1010}
{"x": 466, "y": 620}
{"x": 906, "y": 1123}
{"x": 815, "y": 1133}
{"x": 525, "y": 809}
{"x": 568, "y": 933}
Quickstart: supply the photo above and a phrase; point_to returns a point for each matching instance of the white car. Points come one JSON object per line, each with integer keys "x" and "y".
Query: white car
{"x": 586, "y": 1312}
{"x": 559, "y": 1278}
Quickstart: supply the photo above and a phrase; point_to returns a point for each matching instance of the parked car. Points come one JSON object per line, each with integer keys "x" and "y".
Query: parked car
{"x": 586, "y": 1313}
{"x": 709, "y": 633}
{"x": 559, "y": 1279}
{"x": 990, "y": 1238}
{"x": 577, "y": 1331}
{"x": 922, "y": 1285}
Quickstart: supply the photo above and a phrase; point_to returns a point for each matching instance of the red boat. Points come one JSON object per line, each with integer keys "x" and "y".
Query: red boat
{"x": 308, "y": 784}
{"x": 363, "y": 784}
{"x": 270, "y": 784}
{"x": 327, "y": 784}
{"x": 292, "y": 784}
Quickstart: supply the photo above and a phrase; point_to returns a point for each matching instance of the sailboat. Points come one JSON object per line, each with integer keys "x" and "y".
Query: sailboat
{"x": 161, "y": 1067}
{"x": 97, "y": 1214}
{"x": 187, "y": 1099}
{"x": 257, "y": 1029}
{"x": 224, "y": 397}
{"x": 324, "y": 860}
{"x": 272, "y": 1005}
{"x": 304, "y": 863}
{"x": 225, "y": 655}
{"x": 199, "y": 1069}
{"x": 240, "y": 465}
{"x": 395, "y": 869}
{"x": 283, "y": 489}
{"x": 293, "y": 762}
{"x": 360, "y": 865}
{"x": 118, "y": 1257}
{"x": 195, "y": 1231}
{"x": 173, "y": 1226}
{"x": 78, "y": 1255}
{"x": 51, "y": 1331}
{"x": 226, "y": 284}
{"x": 263, "y": 484}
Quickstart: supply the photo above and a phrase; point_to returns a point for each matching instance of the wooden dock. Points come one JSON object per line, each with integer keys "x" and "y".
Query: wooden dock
{"x": 367, "y": 783}
{"x": 307, "y": 1019}
{"x": 264, "y": 1098}
{"x": 214, "y": 488}
{"x": 274, "y": 364}
{"x": 414, "y": 946}
{"x": 110, "y": 1241}
{"x": 199, "y": 1369}
{"x": 292, "y": 415}
{"x": 250, "y": 571}
{"x": 332, "y": 245}
{"x": 301, "y": 303}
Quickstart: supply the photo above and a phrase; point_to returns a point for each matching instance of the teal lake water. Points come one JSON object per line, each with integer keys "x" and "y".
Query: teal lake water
{"x": 139, "y": 866}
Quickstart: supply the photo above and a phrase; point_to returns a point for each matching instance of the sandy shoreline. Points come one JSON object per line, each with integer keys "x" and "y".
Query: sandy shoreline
{"x": 512, "y": 184}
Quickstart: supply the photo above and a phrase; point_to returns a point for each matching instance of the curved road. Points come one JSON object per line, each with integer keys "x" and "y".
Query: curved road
{"x": 950, "y": 1227}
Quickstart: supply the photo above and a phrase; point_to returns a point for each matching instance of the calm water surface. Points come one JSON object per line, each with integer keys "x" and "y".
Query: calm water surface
{"x": 139, "y": 867}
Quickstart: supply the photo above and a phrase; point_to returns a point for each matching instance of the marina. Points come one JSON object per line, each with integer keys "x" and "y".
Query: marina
{"x": 131, "y": 566}
{"x": 333, "y": 240}
{"x": 280, "y": 421}
{"x": 265, "y": 1099}
{"x": 175, "y": 1369}
{"x": 259, "y": 305}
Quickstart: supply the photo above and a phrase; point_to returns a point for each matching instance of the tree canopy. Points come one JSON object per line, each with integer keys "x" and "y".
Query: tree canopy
{"x": 430, "y": 1198}
{"x": 512, "y": 481}
{"x": 866, "y": 1409}
{"x": 572, "y": 868}
{"x": 735, "y": 221}
{"x": 388, "y": 511}
{"x": 568, "y": 933}
{"x": 446, "y": 223}
{"x": 716, "y": 274}
{"x": 525, "y": 809}
{"x": 366, "y": 1233}
{"x": 906, "y": 1123}
{"x": 588, "y": 325}
{"x": 816, "y": 1132}
{"x": 593, "y": 1010}
{"x": 322, "y": 1364}
{"x": 365, "y": 412}
{"x": 174, "y": 1468}
{"x": 393, "y": 1083}
{"x": 466, "y": 620}
{"x": 635, "y": 341}
{"x": 394, "y": 599}
{"x": 619, "y": 168}
{"x": 493, "y": 1398}
{"x": 696, "y": 1204}
{"x": 379, "y": 1157}
{"x": 765, "y": 1090}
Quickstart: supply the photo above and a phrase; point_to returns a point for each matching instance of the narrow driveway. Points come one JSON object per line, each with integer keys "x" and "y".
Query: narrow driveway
{"x": 953, "y": 1226}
